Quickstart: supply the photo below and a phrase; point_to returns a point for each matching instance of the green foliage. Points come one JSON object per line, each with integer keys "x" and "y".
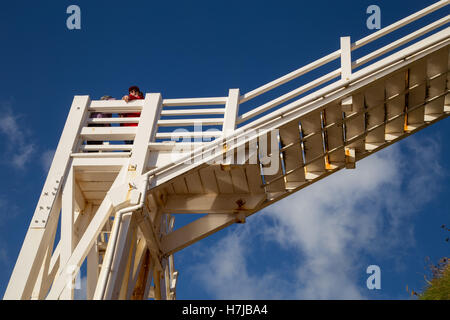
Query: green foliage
{"x": 439, "y": 286}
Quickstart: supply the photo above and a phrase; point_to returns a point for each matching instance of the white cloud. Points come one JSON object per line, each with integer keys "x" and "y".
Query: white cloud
{"x": 227, "y": 276}
{"x": 46, "y": 159}
{"x": 19, "y": 149}
{"x": 10, "y": 127}
{"x": 22, "y": 156}
{"x": 328, "y": 227}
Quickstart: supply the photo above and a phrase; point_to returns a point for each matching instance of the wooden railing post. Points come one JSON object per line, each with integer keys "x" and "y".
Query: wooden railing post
{"x": 146, "y": 132}
{"x": 231, "y": 112}
{"x": 346, "y": 69}
{"x": 346, "y": 58}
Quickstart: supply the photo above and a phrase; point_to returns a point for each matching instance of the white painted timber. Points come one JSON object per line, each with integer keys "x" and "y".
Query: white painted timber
{"x": 190, "y": 122}
{"x": 109, "y": 106}
{"x": 144, "y": 186}
{"x": 192, "y": 112}
{"x": 231, "y": 113}
{"x": 346, "y": 58}
{"x": 67, "y": 226}
{"x": 194, "y": 102}
{"x": 108, "y": 133}
{"x": 195, "y": 231}
{"x": 37, "y": 239}
{"x": 146, "y": 131}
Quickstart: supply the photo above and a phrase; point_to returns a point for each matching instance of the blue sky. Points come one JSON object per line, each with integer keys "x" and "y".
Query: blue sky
{"x": 302, "y": 247}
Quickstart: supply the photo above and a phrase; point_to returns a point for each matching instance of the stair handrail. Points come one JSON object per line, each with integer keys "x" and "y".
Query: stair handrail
{"x": 299, "y": 105}
{"x": 338, "y": 54}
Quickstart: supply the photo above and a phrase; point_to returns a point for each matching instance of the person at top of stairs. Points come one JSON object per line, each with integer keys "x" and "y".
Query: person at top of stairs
{"x": 133, "y": 94}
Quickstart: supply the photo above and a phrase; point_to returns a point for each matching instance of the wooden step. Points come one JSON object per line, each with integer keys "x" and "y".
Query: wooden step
{"x": 292, "y": 155}
{"x": 373, "y": 146}
{"x": 239, "y": 179}
{"x": 432, "y": 117}
{"x": 208, "y": 179}
{"x": 179, "y": 186}
{"x": 334, "y": 135}
{"x": 392, "y": 136}
{"x": 437, "y": 72}
{"x": 374, "y": 100}
{"x": 438, "y": 86}
{"x": 312, "y": 125}
{"x": 223, "y": 178}
{"x": 417, "y": 92}
{"x": 437, "y": 62}
{"x": 355, "y": 125}
{"x": 395, "y": 94}
{"x": 275, "y": 184}
{"x": 194, "y": 183}
{"x": 254, "y": 180}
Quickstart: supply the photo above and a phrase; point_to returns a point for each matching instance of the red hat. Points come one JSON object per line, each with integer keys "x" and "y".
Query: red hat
{"x": 135, "y": 88}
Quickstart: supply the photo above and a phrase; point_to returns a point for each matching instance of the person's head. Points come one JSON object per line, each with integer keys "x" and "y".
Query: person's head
{"x": 134, "y": 91}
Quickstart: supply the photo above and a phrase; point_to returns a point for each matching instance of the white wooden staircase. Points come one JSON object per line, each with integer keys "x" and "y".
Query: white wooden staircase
{"x": 116, "y": 202}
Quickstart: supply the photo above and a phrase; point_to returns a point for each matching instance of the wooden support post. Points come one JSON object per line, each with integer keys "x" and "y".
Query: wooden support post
{"x": 157, "y": 283}
{"x": 138, "y": 258}
{"x": 149, "y": 279}
{"x": 92, "y": 271}
{"x": 166, "y": 281}
{"x": 173, "y": 278}
{"x": 346, "y": 70}
{"x": 92, "y": 263}
{"x": 141, "y": 281}
{"x": 36, "y": 242}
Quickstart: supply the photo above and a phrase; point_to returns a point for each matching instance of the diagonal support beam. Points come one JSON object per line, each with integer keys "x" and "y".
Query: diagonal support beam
{"x": 121, "y": 257}
{"x": 137, "y": 265}
{"x": 45, "y": 277}
{"x": 150, "y": 236}
{"x": 197, "y": 230}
